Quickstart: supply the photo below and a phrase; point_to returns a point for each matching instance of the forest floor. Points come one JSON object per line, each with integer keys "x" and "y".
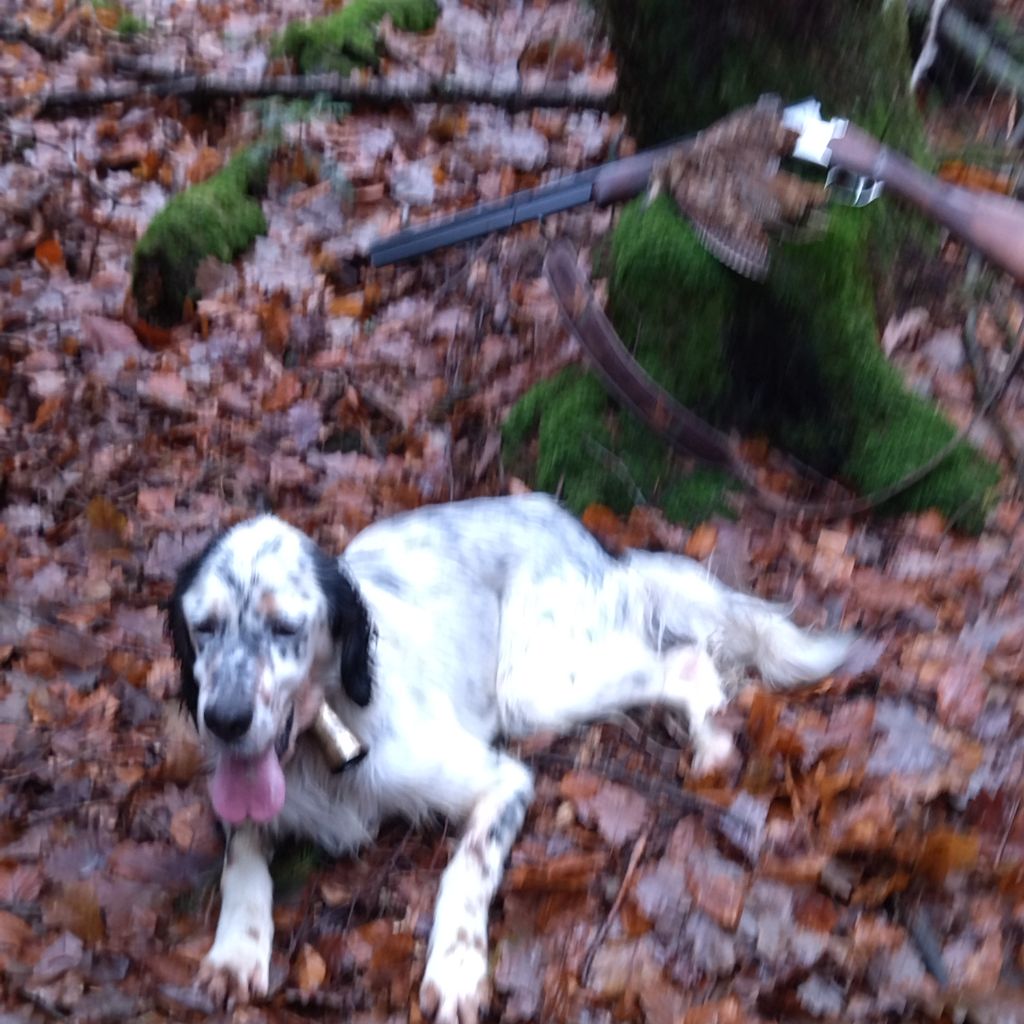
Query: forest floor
{"x": 862, "y": 860}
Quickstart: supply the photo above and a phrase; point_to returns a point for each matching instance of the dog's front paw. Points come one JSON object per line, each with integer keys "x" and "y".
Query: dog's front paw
{"x": 455, "y": 988}
{"x": 713, "y": 749}
{"x": 236, "y": 972}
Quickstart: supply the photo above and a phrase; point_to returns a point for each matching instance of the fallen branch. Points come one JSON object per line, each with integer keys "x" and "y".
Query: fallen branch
{"x": 373, "y": 92}
{"x": 976, "y": 45}
{"x": 930, "y": 46}
{"x": 15, "y": 32}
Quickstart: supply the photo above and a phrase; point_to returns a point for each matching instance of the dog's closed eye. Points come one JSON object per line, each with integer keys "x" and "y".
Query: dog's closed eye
{"x": 283, "y": 628}
{"x": 206, "y": 627}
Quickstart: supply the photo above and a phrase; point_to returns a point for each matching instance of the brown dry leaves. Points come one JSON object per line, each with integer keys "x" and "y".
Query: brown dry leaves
{"x": 335, "y": 394}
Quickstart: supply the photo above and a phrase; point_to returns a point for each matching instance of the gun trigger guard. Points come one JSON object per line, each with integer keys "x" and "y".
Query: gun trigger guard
{"x": 852, "y": 189}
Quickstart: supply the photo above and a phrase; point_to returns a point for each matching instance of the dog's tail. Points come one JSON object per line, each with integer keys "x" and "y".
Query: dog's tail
{"x": 760, "y": 634}
{"x": 686, "y": 602}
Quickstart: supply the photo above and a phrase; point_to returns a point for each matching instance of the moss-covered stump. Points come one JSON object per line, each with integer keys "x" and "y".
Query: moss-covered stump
{"x": 219, "y": 217}
{"x": 796, "y": 358}
{"x": 348, "y": 38}
{"x": 758, "y": 358}
{"x": 809, "y": 375}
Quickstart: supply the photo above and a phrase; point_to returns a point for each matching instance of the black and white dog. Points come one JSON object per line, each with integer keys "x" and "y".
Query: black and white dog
{"x": 438, "y": 631}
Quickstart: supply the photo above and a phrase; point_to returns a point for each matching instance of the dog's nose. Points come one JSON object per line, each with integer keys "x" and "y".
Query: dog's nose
{"x": 228, "y": 722}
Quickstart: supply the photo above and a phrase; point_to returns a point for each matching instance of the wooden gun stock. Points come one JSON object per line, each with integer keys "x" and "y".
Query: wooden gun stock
{"x": 992, "y": 224}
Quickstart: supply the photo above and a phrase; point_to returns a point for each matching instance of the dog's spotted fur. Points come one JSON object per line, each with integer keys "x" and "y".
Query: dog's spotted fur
{"x": 437, "y": 632}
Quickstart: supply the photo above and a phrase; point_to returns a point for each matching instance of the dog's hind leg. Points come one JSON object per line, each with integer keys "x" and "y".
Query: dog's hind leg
{"x": 494, "y": 790}
{"x": 555, "y": 686}
{"x": 685, "y": 600}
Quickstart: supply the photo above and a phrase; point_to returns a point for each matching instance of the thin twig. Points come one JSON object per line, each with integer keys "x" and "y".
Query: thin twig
{"x": 982, "y": 388}
{"x": 976, "y": 45}
{"x": 602, "y": 933}
{"x": 1014, "y": 811}
{"x": 989, "y": 395}
{"x": 723, "y": 821}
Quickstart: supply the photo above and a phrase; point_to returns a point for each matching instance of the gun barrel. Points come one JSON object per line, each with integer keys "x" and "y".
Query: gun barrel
{"x": 562, "y": 194}
{"x": 608, "y": 183}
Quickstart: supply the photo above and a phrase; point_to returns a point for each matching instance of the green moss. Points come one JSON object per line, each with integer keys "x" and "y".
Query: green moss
{"x": 760, "y": 358}
{"x": 698, "y": 496}
{"x": 568, "y": 412}
{"x": 671, "y": 304}
{"x": 293, "y": 865}
{"x": 348, "y": 38}
{"x": 129, "y": 25}
{"x": 219, "y": 217}
{"x": 590, "y": 453}
{"x": 886, "y": 431}
{"x": 766, "y": 359}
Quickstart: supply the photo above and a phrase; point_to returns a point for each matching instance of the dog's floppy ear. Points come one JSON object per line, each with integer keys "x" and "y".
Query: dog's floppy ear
{"x": 349, "y": 623}
{"x": 180, "y": 639}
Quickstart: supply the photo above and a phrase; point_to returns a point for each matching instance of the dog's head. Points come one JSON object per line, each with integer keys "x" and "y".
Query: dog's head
{"x": 262, "y": 621}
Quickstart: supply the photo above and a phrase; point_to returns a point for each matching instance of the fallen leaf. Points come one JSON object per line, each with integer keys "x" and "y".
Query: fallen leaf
{"x": 286, "y": 391}
{"x": 207, "y": 163}
{"x": 165, "y": 390}
{"x": 719, "y": 889}
{"x": 59, "y": 957}
{"x": 962, "y": 691}
{"x": 108, "y": 525}
{"x": 105, "y": 335}
{"x": 520, "y": 964}
{"x": 702, "y": 542}
{"x": 22, "y": 883}
{"x": 276, "y": 320}
{"x": 77, "y": 909}
{"x": 14, "y": 932}
{"x": 624, "y": 966}
{"x": 50, "y": 254}
{"x": 725, "y": 1011}
{"x": 569, "y": 872}
{"x": 350, "y": 305}
{"x": 618, "y": 812}
{"x": 945, "y": 851}
{"x": 309, "y": 969}
{"x": 155, "y": 502}
{"x": 188, "y": 823}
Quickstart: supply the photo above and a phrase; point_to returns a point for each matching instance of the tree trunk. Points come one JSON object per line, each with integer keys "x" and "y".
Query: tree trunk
{"x": 797, "y": 357}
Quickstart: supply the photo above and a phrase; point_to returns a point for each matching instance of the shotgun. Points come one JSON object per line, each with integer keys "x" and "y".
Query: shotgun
{"x": 992, "y": 224}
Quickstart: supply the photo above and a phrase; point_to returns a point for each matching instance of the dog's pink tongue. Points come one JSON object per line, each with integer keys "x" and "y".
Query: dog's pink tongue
{"x": 248, "y": 788}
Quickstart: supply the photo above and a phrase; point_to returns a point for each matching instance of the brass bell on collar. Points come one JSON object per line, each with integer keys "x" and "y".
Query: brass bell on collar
{"x": 340, "y": 745}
